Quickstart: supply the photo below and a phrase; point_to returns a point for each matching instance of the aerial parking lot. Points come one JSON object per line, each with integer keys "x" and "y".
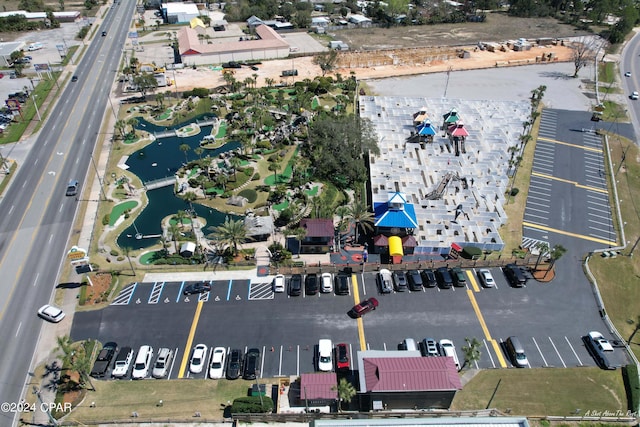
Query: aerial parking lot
{"x": 246, "y": 313}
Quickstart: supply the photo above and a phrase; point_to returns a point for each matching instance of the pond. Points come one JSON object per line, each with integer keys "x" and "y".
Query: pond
{"x": 161, "y": 159}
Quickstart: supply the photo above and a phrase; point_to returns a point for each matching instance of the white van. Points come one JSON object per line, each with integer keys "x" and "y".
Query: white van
{"x": 143, "y": 363}
{"x": 409, "y": 344}
{"x": 449, "y": 350}
{"x": 325, "y": 351}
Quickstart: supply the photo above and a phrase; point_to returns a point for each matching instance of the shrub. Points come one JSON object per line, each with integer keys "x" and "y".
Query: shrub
{"x": 248, "y": 171}
{"x": 250, "y": 194}
{"x": 252, "y": 404}
{"x": 255, "y": 177}
{"x": 113, "y": 252}
{"x": 106, "y": 219}
{"x": 632, "y": 385}
{"x": 514, "y": 192}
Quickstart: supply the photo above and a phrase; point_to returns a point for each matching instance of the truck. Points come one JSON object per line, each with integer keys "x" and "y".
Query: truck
{"x": 289, "y": 73}
{"x": 103, "y": 360}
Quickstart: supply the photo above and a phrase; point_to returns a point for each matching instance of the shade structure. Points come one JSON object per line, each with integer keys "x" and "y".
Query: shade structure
{"x": 380, "y": 240}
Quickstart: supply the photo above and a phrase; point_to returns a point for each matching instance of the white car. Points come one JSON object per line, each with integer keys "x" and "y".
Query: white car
{"x": 198, "y": 359}
{"x": 279, "y": 283}
{"x": 627, "y": 74}
{"x": 600, "y": 341}
{"x": 143, "y": 363}
{"x": 486, "y": 278}
{"x": 326, "y": 283}
{"x": 634, "y": 95}
{"x": 51, "y": 313}
{"x": 447, "y": 349}
{"x": 325, "y": 351}
{"x": 216, "y": 369}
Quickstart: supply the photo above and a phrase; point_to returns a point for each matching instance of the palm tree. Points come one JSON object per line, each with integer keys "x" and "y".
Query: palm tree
{"x": 555, "y": 254}
{"x": 133, "y": 122}
{"x": 180, "y": 216}
{"x": 175, "y": 231}
{"x": 199, "y": 151}
{"x": 120, "y": 127}
{"x": 235, "y": 164}
{"x": 185, "y": 148}
{"x": 221, "y": 180}
{"x": 160, "y": 99}
{"x": 190, "y": 197}
{"x": 274, "y": 166}
{"x": 542, "y": 248}
{"x": 127, "y": 252}
{"x": 76, "y": 359}
{"x": 360, "y": 215}
{"x": 232, "y": 233}
{"x": 471, "y": 351}
{"x": 345, "y": 390}
{"x": 299, "y": 233}
{"x": 269, "y": 81}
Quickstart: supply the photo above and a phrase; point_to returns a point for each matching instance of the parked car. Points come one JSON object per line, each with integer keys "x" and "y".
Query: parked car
{"x": 278, "y": 283}
{"x": 596, "y": 350}
{"x": 101, "y": 365}
{"x": 295, "y": 285}
{"x": 232, "y": 64}
{"x": 123, "y": 361}
{"x": 486, "y": 278}
{"x": 72, "y": 188}
{"x": 459, "y": 278}
{"x": 143, "y": 363}
{"x": 385, "y": 281}
{"x": 197, "y": 288}
{"x": 216, "y": 369}
{"x": 342, "y": 284}
{"x": 363, "y": 308}
{"x": 599, "y": 341}
{"x": 415, "y": 280}
{"x": 429, "y": 278}
{"x": 51, "y": 313}
{"x": 342, "y": 357}
{"x": 251, "y": 363}
{"x": 163, "y": 362}
{"x": 326, "y": 283}
{"x": 429, "y": 347}
{"x": 325, "y": 350}
{"x": 234, "y": 364}
{"x": 514, "y": 275}
{"x": 516, "y": 352}
{"x": 399, "y": 281}
{"x": 447, "y": 349}
{"x": 198, "y": 359}
{"x": 445, "y": 281}
{"x": 311, "y": 284}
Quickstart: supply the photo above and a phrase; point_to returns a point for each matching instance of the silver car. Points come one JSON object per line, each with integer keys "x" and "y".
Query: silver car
{"x": 163, "y": 362}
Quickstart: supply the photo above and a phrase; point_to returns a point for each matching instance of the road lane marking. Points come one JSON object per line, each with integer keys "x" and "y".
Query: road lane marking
{"x": 555, "y": 141}
{"x": 568, "y": 181}
{"x": 567, "y": 233}
{"x": 474, "y": 282}
{"x": 356, "y": 300}
{"x": 485, "y": 330}
{"x": 192, "y": 333}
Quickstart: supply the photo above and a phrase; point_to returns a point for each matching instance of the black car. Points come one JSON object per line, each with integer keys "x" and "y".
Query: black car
{"x": 399, "y": 281}
{"x": 311, "y": 284}
{"x": 234, "y": 364}
{"x": 515, "y": 275}
{"x": 415, "y": 280}
{"x": 342, "y": 284}
{"x": 196, "y": 288}
{"x": 429, "y": 278}
{"x": 251, "y": 362}
{"x": 74, "y": 78}
{"x": 231, "y": 64}
{"x": 104, "y": 33}
{"x": 459, "y": 278}
{"x": 444, "y": 278}
{"x": 104, "y": 360}
{"x": 295, "y": 285}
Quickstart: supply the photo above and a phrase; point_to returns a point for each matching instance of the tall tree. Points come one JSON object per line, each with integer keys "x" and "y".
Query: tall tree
{"x": 299, "y": 233}
{"x": 361, "y": 216}
{"x": 326, "y": 60}
{"x": 185, "y": 148}
{"x": 584, "y": 51}
{"x": 471, "y": 351}
{"x": 232, "y": 233}
{"x": 127, "y": 252}
{"x": 555, "y": 254}
{"x": 175, "y": 232}
{"x": 345, "y": 390}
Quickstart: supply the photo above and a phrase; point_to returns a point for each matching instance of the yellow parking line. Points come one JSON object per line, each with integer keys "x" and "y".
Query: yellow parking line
{"x": 192, "y": 332}
{"x": 485, "y": 330}
{"x": 575, "y": 183}
{"x": 567, "y": 233}
{"x": 555, "y": 141}
{"x": 474, "y": 282}
{"x": 356, "y": 300}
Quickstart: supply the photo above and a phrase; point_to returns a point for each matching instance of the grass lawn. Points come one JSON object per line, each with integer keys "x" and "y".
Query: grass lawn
{"x": 119, "y": 209}
{"x": 180, "y": 399}
{"x": 544, "y": 391}
{"x": 222, "y": 129}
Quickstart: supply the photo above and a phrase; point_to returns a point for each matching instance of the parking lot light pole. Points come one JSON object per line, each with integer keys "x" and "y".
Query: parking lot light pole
{"x": 35, "y": 104}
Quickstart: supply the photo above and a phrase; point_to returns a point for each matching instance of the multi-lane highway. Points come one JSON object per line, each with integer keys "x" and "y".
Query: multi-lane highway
{"x": 35, "y": 216}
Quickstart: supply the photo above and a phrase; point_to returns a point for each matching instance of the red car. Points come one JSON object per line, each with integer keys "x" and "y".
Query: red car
{"x": 363, "y": 308}
{"x": 342, "y": 357}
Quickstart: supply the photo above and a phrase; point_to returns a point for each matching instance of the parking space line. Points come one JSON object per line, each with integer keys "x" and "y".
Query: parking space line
{"x": 280, "y": 363}
{"x": 180, "y": 292}
{"x": 192, "y": 333}
{"x": 229, "y": 289}
{"x": 351, "y": 358}
{"x": 472, "y": 279}
{"x": 125, "y": 295}
{"x": 262, "y": 363}
{"x": 573, "y": 350}
{"x": 173, "y": 361}
{"x": 540, "y": 351}
{"x": 154, "y": 296}
{"x": 567, "y": 233}
{"x": 298, "y": 362}
{"x": 484, "y": 327}
{"x": 489, "y": 353}
{"x": 557, "y": 352}
{"x": 555, "y": 141}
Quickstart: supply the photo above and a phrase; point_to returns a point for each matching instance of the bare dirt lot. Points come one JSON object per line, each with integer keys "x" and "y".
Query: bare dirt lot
{"x": 498, "y": 27}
